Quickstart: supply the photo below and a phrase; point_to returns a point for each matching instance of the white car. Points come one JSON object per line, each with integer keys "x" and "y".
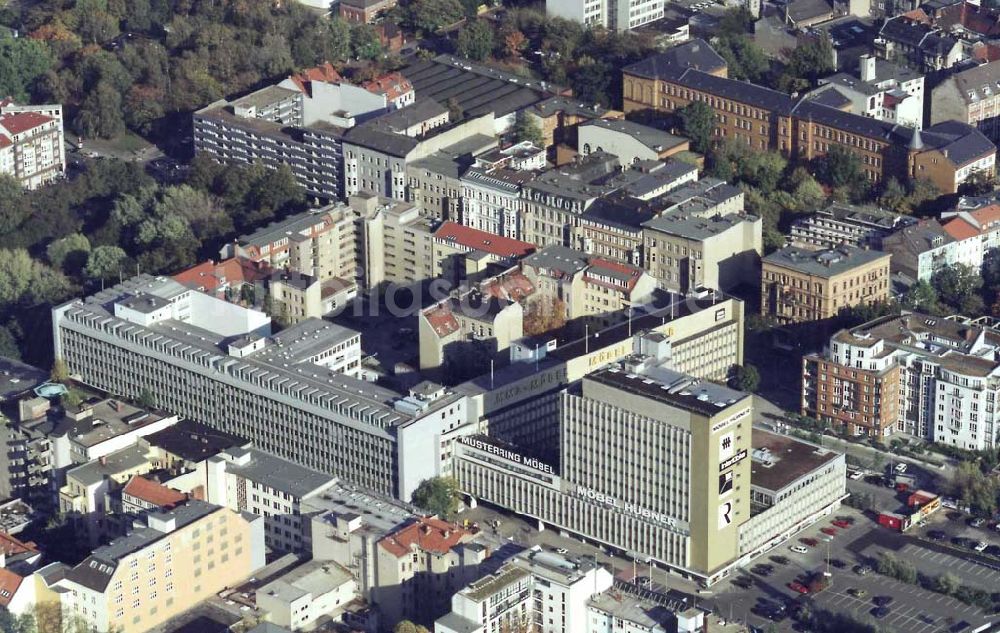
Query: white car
{"x": 854, "y": 475}
{"x": 980, "y": 546}
{"x": 901, "y": 468}
{"x": 799, "y": 549}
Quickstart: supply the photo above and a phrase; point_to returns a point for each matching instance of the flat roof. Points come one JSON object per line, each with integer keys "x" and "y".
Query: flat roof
{"x": 193, "y": 441}
{"x": 275, "y": 472}
{"x": 17, "y": 377}
{"x": 485, "y": 587}
{"x": 673, "y": 388}
{"x": 265, "y": 97}
{"x": 792, "y": 459}
{"x": 826, "y": 264}
{"x": 313, "y": 578}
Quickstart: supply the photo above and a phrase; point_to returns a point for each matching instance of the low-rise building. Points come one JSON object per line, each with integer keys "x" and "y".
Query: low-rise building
{"x": 31, "y": 143}
{"x": 920, "y": 250}
{"x": 178, "y": 559}
{"x": 916, "y": 43}
{"x": 799, "y": 286}
{"x": 630, "y": 142}
{"x": 881, "y": 90}
{"x": 971, "y": 96}
{"x": 313, "y": 590}
{"x": 468, "y": 329}
{"x": 841, "y": 223}
{"x": 977, "y": 232}
{"x": 364, "y": 11}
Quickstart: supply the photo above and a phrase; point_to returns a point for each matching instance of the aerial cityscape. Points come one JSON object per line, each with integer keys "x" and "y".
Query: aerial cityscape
{"x": 515, "y": 316}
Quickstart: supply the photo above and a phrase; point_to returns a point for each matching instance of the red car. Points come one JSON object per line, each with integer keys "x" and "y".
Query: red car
{"x": 828, "y": 531}
{"x": 841, "y": 524}
{"x": 811, "y": 542}
{"x": 798, "y": 587}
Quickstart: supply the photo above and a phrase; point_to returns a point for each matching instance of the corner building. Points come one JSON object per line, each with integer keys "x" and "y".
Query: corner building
{"x": 653, "y": 462}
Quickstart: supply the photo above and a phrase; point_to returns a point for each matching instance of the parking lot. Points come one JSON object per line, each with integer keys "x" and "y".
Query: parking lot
{"x": 912, "y": 609}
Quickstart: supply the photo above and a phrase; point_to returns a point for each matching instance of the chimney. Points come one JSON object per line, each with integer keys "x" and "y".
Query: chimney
{"x": 867, "y": 68}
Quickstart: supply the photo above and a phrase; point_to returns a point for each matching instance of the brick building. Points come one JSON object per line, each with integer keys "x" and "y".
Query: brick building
{"x": 803, "y": 129}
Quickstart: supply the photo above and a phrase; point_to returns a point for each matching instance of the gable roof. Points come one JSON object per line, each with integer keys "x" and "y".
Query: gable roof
{"x": 9, "y": 583}
{"x": 153, "y": 492}
{"x": 18, "y": 122}
{"x": 426, "y": 533}
{"x": 477, "y": 240}
{"x": 324, "y": 72}
{"x": 694, "y": 54}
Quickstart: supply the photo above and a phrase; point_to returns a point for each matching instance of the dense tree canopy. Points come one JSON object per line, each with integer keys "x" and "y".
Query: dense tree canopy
{"x": 698, "y": 123}
{"x": 438, "y": 495}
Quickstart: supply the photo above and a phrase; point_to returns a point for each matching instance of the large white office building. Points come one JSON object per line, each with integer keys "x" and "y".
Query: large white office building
{"x": 616, "y": 15}
{"x": 217, "y": 363}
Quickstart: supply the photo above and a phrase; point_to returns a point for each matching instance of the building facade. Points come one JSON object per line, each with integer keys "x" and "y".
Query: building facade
{"x": 798, "y": 286}
{"x": 31, "y": 143}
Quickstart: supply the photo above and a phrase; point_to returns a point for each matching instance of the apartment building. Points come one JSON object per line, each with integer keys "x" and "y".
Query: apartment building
{"x": 880, "y": 90}
{"x": 971, "y": 96}
{"x": 914, "y": 42}
{"x": 615, "y": 15}
{"x": 396, "y": 88}
{"x": 268, "y": 127}
{"x": 31, "y": 143}
{"x": 190, "y": 352}
{"x": 947, "y": 376}
{"x": 858, "y": 399}
{"x": 313, "y": 590}
{"x": 841, "y": 223}
{"x": 319, "y": 243}
{"x": 805, "y": 129}
{"x": 557, "y": 589}
{"x": 921, "y": 249}
{"x": 420, "y": 566}
{"x": 558, "y": 118}
{"x": 977, "y": 230}
{"x": 467, "y": 329}
{"x": 181, "y": 557}
{"x": 798, "y": 286}
{"x": 491, "y": 200}
{"x": 704, "y": 239}
{"x": 377, "y": 154}
{"x": 630, "y": 142}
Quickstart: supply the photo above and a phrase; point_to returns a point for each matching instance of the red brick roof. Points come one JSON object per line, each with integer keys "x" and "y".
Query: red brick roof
{"x": 513, "y": 286}
{"x": 208, "y": 275}
{"x": 477, "y": 240}
{"x": 324, "y": 72}
{"x": 18, "y": 122}
{"x": 597, "y": 263}
{"x": 442, "y": 320}
{"x": 9, "y": 582}
{"x": 11, "y": 546}
{"x": 428, "y": 534}
{"x": 392, "y": 85}
{"x": 152, "y": 492}
{"x": 960, "y": 229}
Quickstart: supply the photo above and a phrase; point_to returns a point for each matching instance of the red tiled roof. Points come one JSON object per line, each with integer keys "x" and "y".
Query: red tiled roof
{"x": 475, "y": 239}
{"x": 625, "y": 269}
{"x": 208, "y": 275}
{"x": 917, "y": 15}
{"x": 9, "y": 582}
{"x": 392, "y": 85}
{"x": 324, "y": 72}
{"x": 442, "y": 320}
{"x": 960, "y": 229}
{"x": 5, "y": 141}
{"x": 987, "y": 215}
{"x": 513, "y": 286}
{"x": 17, "y": 122}
{"x": 427, "y": 534}
{"x": 11, "y": 546}
{"x": 152, "y": 492}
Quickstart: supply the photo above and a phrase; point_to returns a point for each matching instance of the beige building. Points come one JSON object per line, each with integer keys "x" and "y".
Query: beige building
{"x": 313, "y": 590}
{"x": 179, "y": 559}
{"x": 463, "y": 332}
{"x": 798, "y": 285}
{"x": 296, "y": 297}
{"x": 704, "y": 239}
{"x": 971, "y": 96}
{"x": 421, "y": 565}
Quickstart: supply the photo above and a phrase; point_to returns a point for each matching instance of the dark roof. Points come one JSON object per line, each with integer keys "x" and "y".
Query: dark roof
{"x": 382, "y": 140}
{"x": 830, "y": 97}
{"x": 963, "y": 142}
{"x": 17, "y": 378}
{"x": 477, "y": 89}
{"x": 792, "y": 460}
{"x": 825, "y": 264}
{"x": 193, "y": 441}
{"x": 620, "y": 211}
{"x": 696, "y": 54}
{"x": 799, "y": 10}
{"x": 744, "y": 92}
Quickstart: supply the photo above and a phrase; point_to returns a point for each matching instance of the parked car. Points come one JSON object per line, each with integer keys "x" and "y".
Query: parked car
{"x": 798, "y": 587}
{"x": 977, "y": 522}
{"x": 841, "y": 524}
{"x": 798, "y": 549}
{"x": 857, "y": 593}
{"x": 862, "y": 570}
{"x": 849, "y": 520}
{"x": 980, "y": 546}
{"x": 937, "y": 535}
{"x": 880, "y": 612}
{"x": 811, "y": 542}
{"x": 900, "y": 468}
{"x": 837, "y": 563}
{"x": 829, "y": 530}
{"x": 743, "y": 582}
{"x": 882, "y": 601}
{"x": 780, "y": 560}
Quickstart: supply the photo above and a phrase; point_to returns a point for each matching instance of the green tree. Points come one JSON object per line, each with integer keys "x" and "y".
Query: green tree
{"x": 921, "y": 297}
{"x": 365, "y": 42}
{"x": 69, "y": 253}
{"x": 101, "y": 114}
{"x": 94, "y": 24}
{"x": 406, "y": 626}
{"x": 746, "y": 60}
{"x": 745, "y": 378}
{"x": 527, "y": 129}
{"x": 22, "y": 62}
{"x": 28, "y": 282}
{"x": 428, "y": 16}
{"x": 338, "y": 45}
{"x": 104, "y": 262}
{"x": 807, "y": 63}
{"x": 698, "y": 123}
{"x": 475, "y": 40}
{"x": 205, "y": 215}
{"x": 60, "y": 373}
{"x": 947, "y": 584}
{"x": 957, "y": 284}
{"x": 8, "y": 344}
{"x": 975, "y": 489}
{"x": 438, "y": 495}
{"x": 455, "y": 111}
{"x": 591, "y": 80}
{"x": 839, "y": 167}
